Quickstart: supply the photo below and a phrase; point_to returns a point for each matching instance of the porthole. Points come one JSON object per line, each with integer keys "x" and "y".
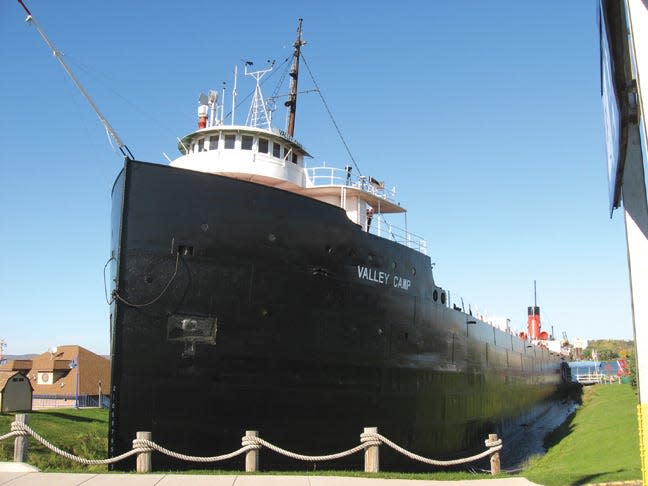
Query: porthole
{"x": 272, "y": 237}
{"x": 443, "y": 297}
{"x": 435, "y": 295}
{"x": 370, "y": 257}
{"x": 393, "y": 265}
{"x": 328, "y": 249}
{"x": 413, "y": 271}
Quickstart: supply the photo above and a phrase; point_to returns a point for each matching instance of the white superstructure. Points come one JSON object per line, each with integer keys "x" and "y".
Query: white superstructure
{"x": 257, "y": 153}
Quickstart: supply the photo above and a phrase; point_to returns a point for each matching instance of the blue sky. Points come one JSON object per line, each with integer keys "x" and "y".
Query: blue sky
{"x": 486, "y": 117}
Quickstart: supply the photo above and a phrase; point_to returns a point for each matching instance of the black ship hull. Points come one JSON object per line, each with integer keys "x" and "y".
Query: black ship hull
{"x": 243, "y": 307}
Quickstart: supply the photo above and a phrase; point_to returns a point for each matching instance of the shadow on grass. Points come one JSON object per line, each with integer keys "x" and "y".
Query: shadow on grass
{"x": 572, "y": 392}
{"x": 71, "y": 417}
{"x": 560, "y": 432}
{"x": 591, "y": 478}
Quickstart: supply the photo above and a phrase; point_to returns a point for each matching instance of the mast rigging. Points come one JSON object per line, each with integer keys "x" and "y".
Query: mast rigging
{"x": 109, "y": 129}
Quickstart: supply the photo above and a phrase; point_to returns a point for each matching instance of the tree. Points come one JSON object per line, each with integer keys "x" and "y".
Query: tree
{"x": 607, "y": 355}
{"x": 632, "y": 368}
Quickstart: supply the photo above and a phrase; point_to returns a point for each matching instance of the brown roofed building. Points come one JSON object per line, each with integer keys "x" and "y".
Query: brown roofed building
{"x": 66, "y": 376}
{"x": 23, "y": 365}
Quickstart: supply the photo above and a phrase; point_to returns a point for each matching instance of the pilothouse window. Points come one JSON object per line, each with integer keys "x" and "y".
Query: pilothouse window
{"x": 263, "y": 146}
{"x": 229, "y": 141}
{"x": 276, "y": 150}
{"x": 246, "y": 142}
{"x": 201, "y": 145}
{"x": 213, "y": 142}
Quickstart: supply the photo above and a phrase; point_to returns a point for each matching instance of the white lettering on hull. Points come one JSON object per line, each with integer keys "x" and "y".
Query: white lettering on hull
{"x": 373, "y": 275}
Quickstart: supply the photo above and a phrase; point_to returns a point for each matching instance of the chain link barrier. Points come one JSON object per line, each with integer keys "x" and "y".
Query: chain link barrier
{"x": 249, "y": 443}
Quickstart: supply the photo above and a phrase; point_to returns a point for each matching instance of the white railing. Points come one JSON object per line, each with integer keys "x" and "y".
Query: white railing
{"x": 383, "y": 228}
{"x": 333, "y": 176}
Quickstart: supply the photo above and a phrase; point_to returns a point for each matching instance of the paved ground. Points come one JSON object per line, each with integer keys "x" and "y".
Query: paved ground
{"x": 70, "y": 479}
{"x": 20, "y": 474}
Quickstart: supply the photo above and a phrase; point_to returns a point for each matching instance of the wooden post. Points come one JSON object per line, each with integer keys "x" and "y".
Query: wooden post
{"x": 372, "y": 457}
{"x": 21, "y": 442}
{"x": 495, "y": 456}
{"x": 252, "y": 456}
{"x": 144, "y": 462}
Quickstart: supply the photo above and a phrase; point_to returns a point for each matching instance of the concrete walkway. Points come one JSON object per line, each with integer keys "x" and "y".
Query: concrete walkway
{"x": 72, "y": 479}
{"x": 21, "y": 474}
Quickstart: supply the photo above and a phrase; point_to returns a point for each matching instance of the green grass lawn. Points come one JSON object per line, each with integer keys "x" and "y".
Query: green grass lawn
{"x": 600, "y": 442}
{"x": 83, "y": 432}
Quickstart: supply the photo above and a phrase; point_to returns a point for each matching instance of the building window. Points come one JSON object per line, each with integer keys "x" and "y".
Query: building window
{"x": 246, "y": 142}
{"x": 213, "y": 142}
{"x": 229, "y": 141}
{"x": 201, "y": 145}
{"x": 276, "y": 150}
{"x": 263, "y": 146}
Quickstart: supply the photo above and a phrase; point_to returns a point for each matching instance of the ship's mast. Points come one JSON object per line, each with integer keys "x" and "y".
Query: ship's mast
{"x": 294, "y": 74}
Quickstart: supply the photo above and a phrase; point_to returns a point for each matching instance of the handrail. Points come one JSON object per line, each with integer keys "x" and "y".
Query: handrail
{"x": 400, "y": 235}
{"x": 334, "y": 176}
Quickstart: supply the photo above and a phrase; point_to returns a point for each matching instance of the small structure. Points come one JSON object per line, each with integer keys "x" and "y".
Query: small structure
{"x": 15, "y": 392}
{"x": 65, "y": 376}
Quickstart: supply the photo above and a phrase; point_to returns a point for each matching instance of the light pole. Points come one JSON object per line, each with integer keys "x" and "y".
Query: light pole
{"x": 74, "y": 365}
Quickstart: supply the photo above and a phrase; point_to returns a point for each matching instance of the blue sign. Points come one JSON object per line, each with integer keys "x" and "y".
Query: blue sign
{"x": 611, "y": 115}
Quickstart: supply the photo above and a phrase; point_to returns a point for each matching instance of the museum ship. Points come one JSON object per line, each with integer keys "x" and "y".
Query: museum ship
{"x": 254, "y": 291}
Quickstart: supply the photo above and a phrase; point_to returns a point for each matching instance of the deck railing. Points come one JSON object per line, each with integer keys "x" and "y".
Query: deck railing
{"x": 333, "y": 176}
{"x": 383, "y": 228}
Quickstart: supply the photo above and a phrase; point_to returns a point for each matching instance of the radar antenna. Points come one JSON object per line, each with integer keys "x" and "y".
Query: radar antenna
{"x": 59, "y": 56}
{"x": 258, "y": 114}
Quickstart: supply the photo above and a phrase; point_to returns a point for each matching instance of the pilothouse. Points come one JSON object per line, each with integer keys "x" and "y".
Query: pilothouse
{"x": 260, "y": 153}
